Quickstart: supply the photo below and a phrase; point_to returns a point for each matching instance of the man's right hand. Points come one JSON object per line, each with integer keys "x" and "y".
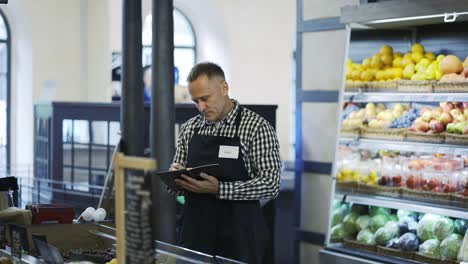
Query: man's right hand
{"x": 176, "y": 166}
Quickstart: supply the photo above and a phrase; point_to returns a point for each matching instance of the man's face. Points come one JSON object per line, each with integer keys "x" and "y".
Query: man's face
{"x": 210, "y": 96}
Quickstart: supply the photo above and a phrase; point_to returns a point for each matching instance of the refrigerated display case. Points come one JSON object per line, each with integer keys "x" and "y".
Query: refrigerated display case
{"x": 441, "y": 27}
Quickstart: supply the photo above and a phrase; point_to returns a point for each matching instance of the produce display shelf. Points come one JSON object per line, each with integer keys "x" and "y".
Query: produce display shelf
{"x": 439, "y": 208}
{"x": 376, "y": 97}
{"x": 366, "y": 257}
{"x": 377, "y": 144}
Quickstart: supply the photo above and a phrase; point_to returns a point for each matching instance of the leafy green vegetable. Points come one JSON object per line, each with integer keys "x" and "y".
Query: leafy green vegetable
{"x": 378, "y": 221}
{"x": 443, "y": 227}
{"x": 337, "y": 232}
{"x": 404, "y": 213}
{"x": 385, "y": 234}
{"x": 430, "y": 248}
{"x": 425, "y": 229}
{"x": 409, "y": 242}
{"x": 339, "y": 214}
{"x": 379, "y": 210}
{"x": 349, "y": 223}
{"x": 363, "y": 222}
{"x": 450, "y": 246}
{"x": 366, "y": 236}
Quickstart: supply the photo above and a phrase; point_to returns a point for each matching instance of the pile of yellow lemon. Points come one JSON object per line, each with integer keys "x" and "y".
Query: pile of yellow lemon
{"x": 348, "y": 175}
{"x": 387, "y": 65}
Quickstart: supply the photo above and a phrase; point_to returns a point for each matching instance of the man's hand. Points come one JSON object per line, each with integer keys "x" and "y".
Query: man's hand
{"x": 209, "y": 184}
{"x": 176, "y": 166}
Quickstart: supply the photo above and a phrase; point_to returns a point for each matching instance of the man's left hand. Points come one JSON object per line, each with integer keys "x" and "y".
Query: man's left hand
{"x": 209, "y": 184}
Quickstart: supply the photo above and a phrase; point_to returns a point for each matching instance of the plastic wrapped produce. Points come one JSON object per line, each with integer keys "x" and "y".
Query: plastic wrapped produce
{"x": 366, "y": 236}
{"x": 407, "y": 224}
{"x": 409, "y": 242}
{"x": 425, "y": 229}
{"x": 349, "y": 223}
{"x": 393, "y": 243}
{"x": 460, "y": 226}
{"x": 430, "y": 248}
{"x": 378, "y": 221}
{"x": 443, "y": 228}
{"x": 385, "y": 234}
{"x": 404, "y": 213}
{"x": 363, "y": 222}
{"x": 379, "y": 210}
{"x": 450, "y": 246}
{"x": 337, "y": 232}
{"x": 339, "y": 214}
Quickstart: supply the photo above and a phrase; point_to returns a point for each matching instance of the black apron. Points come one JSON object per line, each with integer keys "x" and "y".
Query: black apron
{"x": 232, "y": 229}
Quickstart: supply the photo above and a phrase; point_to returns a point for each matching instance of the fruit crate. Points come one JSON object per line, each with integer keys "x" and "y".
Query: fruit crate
{"x": 456, "y": 139}
{"x": 359, "y": 246}
{"x": 406, "y": 86}
{"x": 388, "y": 191}
{"x": 367, "y": 189}
{"x": 397, "y": 134}
{"x": 396, "y": 253}
{"x": 353, "y": 133}
{"x": 425, "y": 137}
{"x": 386, "y": 86}
{"x": 451, "y": 87}
{"x": 418, "y": 194}
{"x": 430, "y": 260}
{"x": 355, "y": 85}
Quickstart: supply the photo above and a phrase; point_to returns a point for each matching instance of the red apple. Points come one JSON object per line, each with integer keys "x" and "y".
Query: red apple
{"x": 450, "y": 188}
{"x": 438, "y": 109}
{"x": 465, "y": 104}
{"x": 411, "y": 182}
{"x": 422, "y": 126}
{"x": 465, "y": 192}
{"x": 446, "y": 107}
{"x": 446, "y": 118}
{"x": 437, "y": 189}
{"x": 466, "y": 71}
{"x": 433, "y": 183}
{"x": 396, "y": 179}
{"x": 425, "y": 109}
{"x": 426, "y": 187}
{"x": 437, "y": 126}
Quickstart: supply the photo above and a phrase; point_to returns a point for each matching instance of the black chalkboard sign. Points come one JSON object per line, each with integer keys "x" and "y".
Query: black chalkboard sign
{"x": 16, "y": 237}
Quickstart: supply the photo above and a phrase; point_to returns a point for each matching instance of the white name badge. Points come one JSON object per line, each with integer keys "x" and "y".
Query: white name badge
{"x": 228, "y": 152}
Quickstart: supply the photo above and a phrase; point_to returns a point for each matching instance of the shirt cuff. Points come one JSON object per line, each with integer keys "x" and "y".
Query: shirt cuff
{"x": 225, "y": 190}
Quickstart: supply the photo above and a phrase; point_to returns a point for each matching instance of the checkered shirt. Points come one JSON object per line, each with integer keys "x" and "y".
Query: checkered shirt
{"x": 259, "y": 146}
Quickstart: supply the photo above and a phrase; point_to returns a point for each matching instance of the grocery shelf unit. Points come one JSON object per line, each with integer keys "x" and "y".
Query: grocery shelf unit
{"x": 435, "y": 24}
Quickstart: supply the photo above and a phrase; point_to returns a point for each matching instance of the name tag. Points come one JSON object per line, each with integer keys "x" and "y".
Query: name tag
{"x": 228, "y": 152}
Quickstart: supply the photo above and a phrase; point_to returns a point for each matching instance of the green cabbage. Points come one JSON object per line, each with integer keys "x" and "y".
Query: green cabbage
{"x": 450, "y": 246}
{"x": 337, "y": 232}
{"x": 425, "y": 230}
{"x": 443, "y": 227}
{"x": 393, "y": 218}
{"x": 385, "y": 234}
{"x": 403, "y": 213}
{"x": 349, "y": 223}
{"x": 363, "y": 222}
{"x": 430, "y": 248}
{"x": 339, "y": 214}
{"x": 378, "y": 221}
{"x": 379, "y": 210}
{"x": 366, "y": 236}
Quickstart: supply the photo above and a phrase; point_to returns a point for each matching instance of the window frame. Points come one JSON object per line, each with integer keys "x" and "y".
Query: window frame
{"x": 7, "y": 41}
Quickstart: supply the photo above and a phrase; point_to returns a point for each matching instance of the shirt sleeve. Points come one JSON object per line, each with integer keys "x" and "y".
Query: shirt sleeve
{"x": 181, "y": 151}
{"x": 266, "y": 170}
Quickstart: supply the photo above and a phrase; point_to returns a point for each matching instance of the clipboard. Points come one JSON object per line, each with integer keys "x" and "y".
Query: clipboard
{"x": 169, "y": 177}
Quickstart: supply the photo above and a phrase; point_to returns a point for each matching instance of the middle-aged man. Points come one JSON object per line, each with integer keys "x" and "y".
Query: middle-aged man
{"x": 222, "y": 214}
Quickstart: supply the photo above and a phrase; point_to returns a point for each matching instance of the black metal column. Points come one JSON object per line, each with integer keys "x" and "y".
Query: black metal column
{"x": 131, "y": 111}
{"x": 162, "y": 133}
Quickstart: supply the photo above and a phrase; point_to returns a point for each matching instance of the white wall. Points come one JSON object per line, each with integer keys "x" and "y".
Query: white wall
{"x": 62, "y": 51}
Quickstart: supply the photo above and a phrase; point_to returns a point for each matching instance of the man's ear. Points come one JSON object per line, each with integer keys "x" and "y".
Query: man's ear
{"x": 225, "y": 87}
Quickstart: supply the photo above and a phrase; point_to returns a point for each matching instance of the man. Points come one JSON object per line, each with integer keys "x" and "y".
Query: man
{"x": 222, "y": 214}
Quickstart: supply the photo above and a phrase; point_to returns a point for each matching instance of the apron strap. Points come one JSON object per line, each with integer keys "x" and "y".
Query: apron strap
{"x": 238, "y": 119}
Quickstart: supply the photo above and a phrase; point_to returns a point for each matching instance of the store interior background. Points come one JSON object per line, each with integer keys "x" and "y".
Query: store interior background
{"x": 61, "y": 50}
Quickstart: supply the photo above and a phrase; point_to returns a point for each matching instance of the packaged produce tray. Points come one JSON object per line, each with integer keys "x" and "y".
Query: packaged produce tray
{"x": 430, "y": 260}
{"x": 451, "y": 87}
{"x": 359, "y": 246}
{"x": 350, "y": 133}
{"x": 410, "y": 193}
{"x": 348, "y": 186}
{"x": 395, "y": 253}
{"x": 456, "y": 139}
{"x": 386, "y": 86}
{"x": 387, "y": 133}
{"x": 424, "y": 137}
{"x": 407, "y": 86}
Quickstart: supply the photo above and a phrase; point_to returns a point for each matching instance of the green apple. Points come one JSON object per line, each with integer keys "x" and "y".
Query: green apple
{"x": 451, "y": 128}
{"x": 459, "y": 127}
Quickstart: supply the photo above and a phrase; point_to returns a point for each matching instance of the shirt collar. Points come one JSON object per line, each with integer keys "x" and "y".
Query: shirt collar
{"x": 231, "y": 117}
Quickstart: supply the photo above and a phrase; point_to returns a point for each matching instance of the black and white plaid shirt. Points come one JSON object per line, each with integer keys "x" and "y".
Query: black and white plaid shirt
{"x": 260, "y": 148}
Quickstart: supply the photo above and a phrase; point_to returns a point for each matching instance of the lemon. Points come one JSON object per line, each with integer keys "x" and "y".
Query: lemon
{"x": 349, "y": 62}
{"x": 356, "y": 75}
{"x": 380, "y": 75}
{"x": 440, "y": 58}
{"x": 406, "y": 61}
{"x": 387, "y": 58}
{"x": 366, "y": 63}
{"x": 376, "y": 62}
{"x": 386, "y": 49}
{"x": 367, "y": 76}
{"x": 397, "y": 55}
{"x": 417, "y": 56}
{"x": 430, "y": 56}
{"x": 421, "y": 68}
{"x": 438, "y": 74}
{"x": 397, "y": 62}
{"x": 425, "y": 62}
{"x": 397, "y": 73}
{"x": 417, "y": 48}
{"x": 408, "y": 72}
{"x": 418, "y": 77}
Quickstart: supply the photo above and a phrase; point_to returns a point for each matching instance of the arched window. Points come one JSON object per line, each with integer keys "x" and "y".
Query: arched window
{"x": 4, "y": 95}
{"x": 184, "y": 45}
